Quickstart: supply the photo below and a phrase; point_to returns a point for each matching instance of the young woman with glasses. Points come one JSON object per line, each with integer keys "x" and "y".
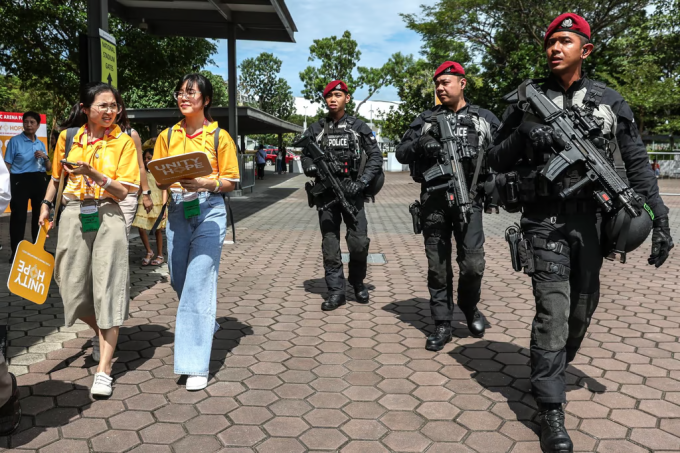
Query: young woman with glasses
{"x": 196, "y": 226}
{"x": 91, "y": 261}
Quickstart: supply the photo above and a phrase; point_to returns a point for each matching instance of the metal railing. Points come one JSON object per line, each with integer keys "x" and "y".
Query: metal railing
{"x": 246, "y": 166}
{"x": 669, "y": 163}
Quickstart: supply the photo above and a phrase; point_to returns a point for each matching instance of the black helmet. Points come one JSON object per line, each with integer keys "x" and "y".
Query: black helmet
{"x": 622, "y": 233}
{"x": 375, "y": 184}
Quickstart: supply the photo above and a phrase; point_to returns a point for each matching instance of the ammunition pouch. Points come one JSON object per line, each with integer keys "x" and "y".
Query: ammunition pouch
{"x": 533, "y": 263}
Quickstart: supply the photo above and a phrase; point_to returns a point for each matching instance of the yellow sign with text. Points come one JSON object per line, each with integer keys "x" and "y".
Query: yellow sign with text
{"x": 185, "y": 166}
{"x": 32, "y": 268}
{"x": 109, "y": 61}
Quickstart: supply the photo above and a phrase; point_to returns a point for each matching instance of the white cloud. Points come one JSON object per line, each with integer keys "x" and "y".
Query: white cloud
{"x": 374, "y": 24}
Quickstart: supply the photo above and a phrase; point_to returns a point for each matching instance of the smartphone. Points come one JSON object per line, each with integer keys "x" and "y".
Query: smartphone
{"x": 70, "y": 164}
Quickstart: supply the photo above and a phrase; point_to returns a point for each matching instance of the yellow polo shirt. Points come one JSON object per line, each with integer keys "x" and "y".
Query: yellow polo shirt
{"x": 115, "y": 156}
{"x": 183, "y": 143}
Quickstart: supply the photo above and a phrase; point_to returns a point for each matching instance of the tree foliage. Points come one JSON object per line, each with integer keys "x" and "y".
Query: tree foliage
{"x": 500, "y": 43}
{"x": 261, "y": 86}
{"x": 40, "y": 47}
{"x": 338, "y": 60}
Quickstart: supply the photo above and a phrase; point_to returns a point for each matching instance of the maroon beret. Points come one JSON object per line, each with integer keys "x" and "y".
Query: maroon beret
{"x": 335, "y": 85}
{"x": 450, "y": 68}
{"x": 568, "y": 22}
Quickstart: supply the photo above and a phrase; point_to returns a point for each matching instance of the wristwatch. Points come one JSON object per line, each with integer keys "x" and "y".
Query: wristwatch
{"x": 146, "y": 192}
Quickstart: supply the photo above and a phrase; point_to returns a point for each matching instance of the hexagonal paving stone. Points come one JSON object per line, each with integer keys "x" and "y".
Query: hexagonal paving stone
{"x": 323, "y": 439}
{"x": 406, "y": 442}
{"x": 162, "y": 433}
{"x": 250, "y": 415}
{"x": 279, "y": 445}
{"x": 202, "y": 444}
{"x": 364, "y": 429}
{"x": 207, "y": 424}
{"x": 286, "y": 426}
{"x": 241, "y": 436}
{"x": 132, "y": 420}
{"x": 115, "y": 441}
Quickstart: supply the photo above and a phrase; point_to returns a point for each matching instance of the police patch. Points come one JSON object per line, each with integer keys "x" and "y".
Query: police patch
{"x": 567, "y": 23}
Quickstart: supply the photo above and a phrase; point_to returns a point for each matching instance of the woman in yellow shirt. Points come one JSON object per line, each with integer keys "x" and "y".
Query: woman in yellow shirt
{"x": 196, "y": 226}
{"x": 91, "y": 261}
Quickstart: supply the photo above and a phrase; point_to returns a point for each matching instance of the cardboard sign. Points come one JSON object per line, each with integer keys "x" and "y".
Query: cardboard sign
{"x": 31, "y": 272}
{"x": 185, "y": 166}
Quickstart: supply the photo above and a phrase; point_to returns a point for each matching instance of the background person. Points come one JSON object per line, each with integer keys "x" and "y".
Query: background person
{"x": 129, "y": 206}
{"x": 91, "y": 260}
{"x": 27, "y": 161}
{"x": 144, "y": 220}
{"x": 261, "y": 156}
{"x": 197, "y": 223}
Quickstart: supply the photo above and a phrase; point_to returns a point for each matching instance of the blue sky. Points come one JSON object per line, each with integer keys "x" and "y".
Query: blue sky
{"x": 374, "y": 24}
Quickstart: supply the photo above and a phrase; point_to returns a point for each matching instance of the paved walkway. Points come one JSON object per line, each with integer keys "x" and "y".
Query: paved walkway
{"x": 291, "y": 378}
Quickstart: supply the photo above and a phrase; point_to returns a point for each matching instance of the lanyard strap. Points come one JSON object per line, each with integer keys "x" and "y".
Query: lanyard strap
{"x": 98, "y": 190}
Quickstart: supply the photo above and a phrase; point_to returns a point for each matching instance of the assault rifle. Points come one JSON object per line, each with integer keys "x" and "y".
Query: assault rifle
{"x": 575, "y": 133}
{"x": 450, "y": 166}
{"x": 327, "y": 171}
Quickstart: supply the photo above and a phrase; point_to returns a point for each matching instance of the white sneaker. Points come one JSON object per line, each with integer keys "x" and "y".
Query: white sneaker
{"x": 197, "y": 382}
{"x": 95, "y": 348}
{"x": 102, "y": 385}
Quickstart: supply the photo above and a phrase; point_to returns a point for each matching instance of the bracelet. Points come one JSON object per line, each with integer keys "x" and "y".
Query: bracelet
{"x": 218, "y": 187}
{"x": 107, "y": 183}
{"x": 48, "y": 203}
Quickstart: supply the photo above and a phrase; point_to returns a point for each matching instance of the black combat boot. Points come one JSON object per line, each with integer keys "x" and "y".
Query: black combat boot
{"x": 10, "y": 412}
{"x": 361, "y": 293}
{"x": 554, "y": 436}
{"x": 476, "y": 322}
{"x": 442, "y": 334}
{"x": 333, "y": 302}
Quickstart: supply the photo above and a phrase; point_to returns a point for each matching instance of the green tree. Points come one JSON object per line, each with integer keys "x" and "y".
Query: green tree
{"x": 338, "y": 59}
{"x": 261, "y": 87}
{"x": 43, "y": 53}
{"x": 506, "y": 36}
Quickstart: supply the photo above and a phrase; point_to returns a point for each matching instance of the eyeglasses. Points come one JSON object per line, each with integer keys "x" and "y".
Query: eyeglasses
{"x": 190, "y": 94}
{"x": 102, "y": 108}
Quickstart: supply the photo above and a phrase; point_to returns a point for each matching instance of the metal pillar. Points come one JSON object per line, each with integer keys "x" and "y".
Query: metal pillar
{"x": 97, "y": 17}
{"x": 243, "y": 143}
{"x": 232, "y": 82}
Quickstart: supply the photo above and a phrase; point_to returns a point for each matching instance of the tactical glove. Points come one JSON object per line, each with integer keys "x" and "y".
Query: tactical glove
{"x": 353, "y": 188}
{"x": 310, "y": 171}
{"x": 428, "y": 146}
{"x": 662, "y": 242}
{"x": 539, "y": 135}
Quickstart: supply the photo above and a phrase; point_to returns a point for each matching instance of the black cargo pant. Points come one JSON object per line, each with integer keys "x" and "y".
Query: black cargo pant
{"x": 567, "y": 259}
{"x": 25, "y": 186}
{"x": 357, "y": 243}
{"x": 439, "y": 223}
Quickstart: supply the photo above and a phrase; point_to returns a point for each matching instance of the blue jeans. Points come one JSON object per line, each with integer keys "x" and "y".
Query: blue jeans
{"x": 194, "y": 249}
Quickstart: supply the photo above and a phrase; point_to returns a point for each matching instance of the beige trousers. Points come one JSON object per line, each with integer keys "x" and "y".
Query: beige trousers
{"x": 129, "y": 208}
{"x": 92, "y": 269}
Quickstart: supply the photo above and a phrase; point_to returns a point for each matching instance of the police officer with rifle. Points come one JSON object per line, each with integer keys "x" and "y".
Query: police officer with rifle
{"x": 445, "y": 150}
{"x": 558, "y": 150}
{"x": 341, "y": 153}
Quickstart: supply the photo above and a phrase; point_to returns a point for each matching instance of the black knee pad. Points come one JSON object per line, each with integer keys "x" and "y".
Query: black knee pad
{"x": 550, "y": 328}
{"x": 472, "y": 265}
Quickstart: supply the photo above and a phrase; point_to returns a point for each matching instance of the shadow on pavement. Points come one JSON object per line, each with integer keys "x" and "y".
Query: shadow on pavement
{"x": 227, "y": 338}
{"x": 318, "y": 286}
{"x": 416, "y": 312}
{"x": 244, "y": 207}
{"x": 504, "y": 368}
